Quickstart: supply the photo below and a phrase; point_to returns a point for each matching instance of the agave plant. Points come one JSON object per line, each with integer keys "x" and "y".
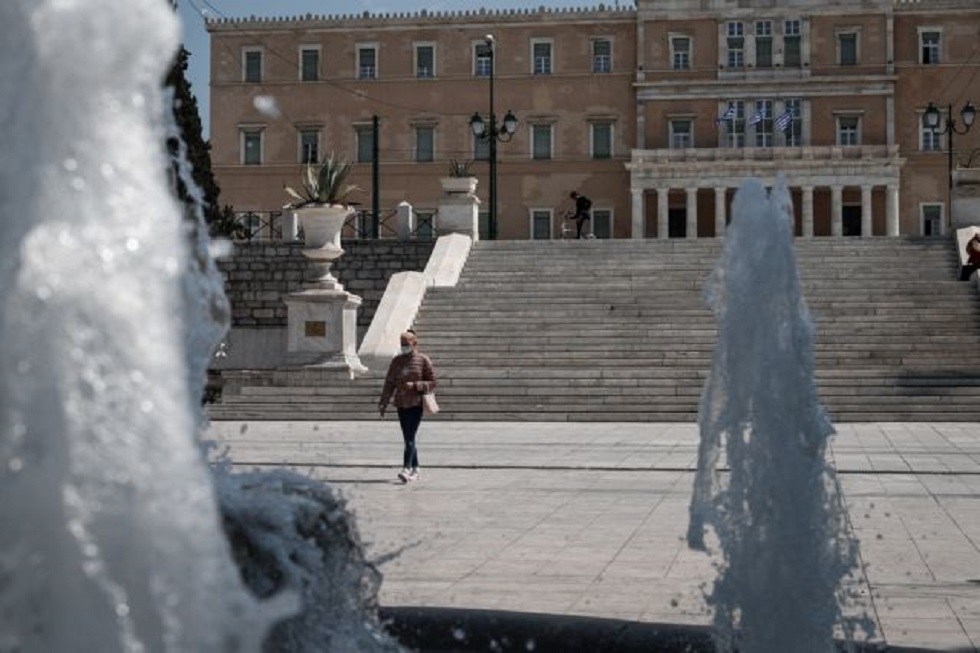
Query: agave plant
{"x": 325, "y": 183}
{"x": 459, "y": 168}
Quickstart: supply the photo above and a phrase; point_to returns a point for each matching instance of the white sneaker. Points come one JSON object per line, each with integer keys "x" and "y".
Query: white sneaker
{"x": 404, "y": 475}
{"x": 414, "y": 475}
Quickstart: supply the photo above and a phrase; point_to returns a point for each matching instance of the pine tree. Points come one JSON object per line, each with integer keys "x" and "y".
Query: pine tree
{"x": 221, "y": 221}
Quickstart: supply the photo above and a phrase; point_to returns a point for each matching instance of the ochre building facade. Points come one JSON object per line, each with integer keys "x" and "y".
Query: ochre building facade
{"x": 657, "y": 111}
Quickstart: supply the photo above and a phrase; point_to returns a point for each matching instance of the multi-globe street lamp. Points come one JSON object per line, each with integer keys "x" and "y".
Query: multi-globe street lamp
{"x": 492, "y": 134}
{"x": 932, "y": 118}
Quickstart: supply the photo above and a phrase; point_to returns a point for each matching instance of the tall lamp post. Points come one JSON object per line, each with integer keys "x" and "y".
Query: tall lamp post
{"x": 492, "y": 134}
{"x": 967, "y": 115}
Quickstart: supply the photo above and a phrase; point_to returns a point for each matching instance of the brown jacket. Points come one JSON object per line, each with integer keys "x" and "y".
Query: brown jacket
{"x": 415, "y": 368}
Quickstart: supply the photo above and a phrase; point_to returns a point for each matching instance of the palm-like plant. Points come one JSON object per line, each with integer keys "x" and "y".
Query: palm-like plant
{"x": 459, "y": 168}
{"x": 326, "y": 184}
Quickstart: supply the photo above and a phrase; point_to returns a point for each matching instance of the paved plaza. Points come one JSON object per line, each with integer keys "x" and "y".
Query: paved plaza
{"x": 589, "y": 519}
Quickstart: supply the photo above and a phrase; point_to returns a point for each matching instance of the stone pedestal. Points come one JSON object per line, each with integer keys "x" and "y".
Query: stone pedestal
{"x": 459, "y": 208}
{"x": 321, "y": 319}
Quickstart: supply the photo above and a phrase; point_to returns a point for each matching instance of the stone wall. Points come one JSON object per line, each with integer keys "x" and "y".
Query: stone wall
{"x": 257, "y": 275}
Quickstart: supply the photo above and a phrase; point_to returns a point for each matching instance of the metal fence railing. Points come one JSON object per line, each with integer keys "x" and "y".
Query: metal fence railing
{"x": 277, "y": 226}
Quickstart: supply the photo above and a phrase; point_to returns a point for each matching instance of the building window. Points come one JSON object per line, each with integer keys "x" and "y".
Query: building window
{"x": 602, "y": 222}
{"x": 792, "y": 48}
{"x": 309, "y": 69}
{"x": 541, "y": 224}
{"x": 481, "y": 149}
{"x": 602, "y": 140}
{"x": 252, "y": 66}
{"x": 681, "y": 134}
{"x": 365, "y": 143}
{"x": 790, "y": 122}
{"x": 930, "y": 42}
{"x": 736, "y": 45}
{"x": 251, "y": 140}
{"x": 541, "y": 57}
{"x": 425, "y": 137}
{"x": 367, "y": 62}
{"x": 932, "y": 219}
{"x": 483, "y": 224}
{"x": 425, "y": 60}
{"x": 735, "y": 123}
{"x": 762, "y": 120}
{"x": 847, "y": 48}
{"x": 309, "y": 145}
{"x": 482, "y": 60}
{"x": 763, "y": 44}
{"x": 601, "y": 56}
{"x": 541, "y": 141}
{"x": 848, "y": 130}
{"x": 930, "y": 140}
{"x": 680, "y": 52}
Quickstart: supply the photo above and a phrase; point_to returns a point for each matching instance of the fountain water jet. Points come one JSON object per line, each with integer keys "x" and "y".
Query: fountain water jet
{"x": 778, "y": 514}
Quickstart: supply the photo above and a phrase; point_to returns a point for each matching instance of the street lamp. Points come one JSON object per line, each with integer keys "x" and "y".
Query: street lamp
{"x": 967, "y": 115}
{"x": 492, "y": 134}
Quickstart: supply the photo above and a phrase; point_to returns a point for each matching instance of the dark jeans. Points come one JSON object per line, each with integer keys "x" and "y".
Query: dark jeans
{"x": 579, "y": 221}
{"x": 410, "y": 418}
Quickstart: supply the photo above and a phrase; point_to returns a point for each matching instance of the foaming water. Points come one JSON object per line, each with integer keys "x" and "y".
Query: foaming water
{"x": 777, "y": 514}
{"x": 111, "y": 537}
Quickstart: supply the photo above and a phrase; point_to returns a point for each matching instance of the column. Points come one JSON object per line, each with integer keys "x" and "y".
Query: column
{"x": 807, "y": 211}
{"x": 891, "y": 210}
{"x": 836, "y": 211}
{"x": 720, "y": 212}
{"x": 692, "y": 212}
{"x": 866, "y": 227}
{"x": 662, "y": 213}
{"x": 638, "y": 221}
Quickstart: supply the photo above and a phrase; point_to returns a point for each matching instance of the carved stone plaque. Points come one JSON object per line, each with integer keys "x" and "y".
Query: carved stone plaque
{"x": 316, "y": 329}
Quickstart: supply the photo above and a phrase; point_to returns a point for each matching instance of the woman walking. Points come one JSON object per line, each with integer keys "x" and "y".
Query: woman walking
{"x": 410, "y": 376}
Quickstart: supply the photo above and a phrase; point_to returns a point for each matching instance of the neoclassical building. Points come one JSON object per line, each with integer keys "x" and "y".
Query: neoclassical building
{"x": 656, "y": 111}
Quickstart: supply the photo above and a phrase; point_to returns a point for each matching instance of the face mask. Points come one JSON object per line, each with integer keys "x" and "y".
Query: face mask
{"x": 406, "y": 349}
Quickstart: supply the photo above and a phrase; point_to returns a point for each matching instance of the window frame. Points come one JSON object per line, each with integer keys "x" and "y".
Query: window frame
{"x": 359, "y": 68}
{"x": 840, "y": 132}
{"x": 672, "y": 133}
{"x": 481, "y": 148}
{"x": 535, "y": 42}
{"x": 360, "y": 131}
{"x": 941, "y": 218}
{"x": 839, "y": 41}
{"x": 795, "y": 131}
{"x": 735, "y": 128}
{"x": 764, "y": 34}
{"x": 478, "y": 59}
{"x": 793, "y": 33}
{"x": 764, "y": 130}
{"x": 680, "y": 60}
{"x": 302, "y": 50}
{"x": 253, "y": 50}
{"x": 244, "y": 132}
{"x": 923, "y": 31}
{"x": 611, "y": 125}
{"x": 734, "y": 56}
{"x": 533, "y": 214}
{"x": 416, "y": 46}
{"x": 304, "y": 131}
{"x": 431, "y": 129}
{"x": 598, "y": 67}
{"x": 596, "y": 213}
{"x": 533, "y": 139}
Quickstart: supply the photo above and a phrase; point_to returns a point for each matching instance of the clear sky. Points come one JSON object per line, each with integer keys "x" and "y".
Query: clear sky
{"x": 193, "y": 13}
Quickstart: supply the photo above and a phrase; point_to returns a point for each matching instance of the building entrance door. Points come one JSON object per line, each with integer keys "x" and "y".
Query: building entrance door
{"x": 677, "y": 223}
{"x": 851, "y": 216}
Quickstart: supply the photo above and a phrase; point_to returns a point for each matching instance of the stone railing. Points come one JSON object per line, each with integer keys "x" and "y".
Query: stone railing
{"x": 808, "y": 153}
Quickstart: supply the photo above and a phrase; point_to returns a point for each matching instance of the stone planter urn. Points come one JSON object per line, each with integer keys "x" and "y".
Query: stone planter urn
{"x": 322, "y": 226}
{"x": 458, "y": 185}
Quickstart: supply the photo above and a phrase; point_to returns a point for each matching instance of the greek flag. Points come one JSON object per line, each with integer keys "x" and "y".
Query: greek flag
{"x": 784, "y": 120}
{"x": 728, "y": 115}
{"x": 757, "y": 117}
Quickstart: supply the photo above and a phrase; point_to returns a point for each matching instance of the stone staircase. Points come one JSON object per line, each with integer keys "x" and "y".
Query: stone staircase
{"x": 619, "y": 331}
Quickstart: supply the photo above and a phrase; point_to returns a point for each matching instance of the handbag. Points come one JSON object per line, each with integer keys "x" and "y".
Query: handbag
{"x": 429, "y": 404}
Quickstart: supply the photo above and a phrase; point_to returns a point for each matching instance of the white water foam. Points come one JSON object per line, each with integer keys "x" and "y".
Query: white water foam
{"x": 111, "y": 536}
{"x": 777, "y": 514}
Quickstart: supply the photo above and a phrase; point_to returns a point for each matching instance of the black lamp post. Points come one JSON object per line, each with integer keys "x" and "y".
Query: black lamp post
{"x": 502, "y": 133}
{"x": 967, "y": 115}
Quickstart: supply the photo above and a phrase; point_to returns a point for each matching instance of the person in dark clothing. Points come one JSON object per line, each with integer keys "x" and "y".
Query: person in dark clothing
{"x": 582, "y": 207}
{"x": 972, "y": 257}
